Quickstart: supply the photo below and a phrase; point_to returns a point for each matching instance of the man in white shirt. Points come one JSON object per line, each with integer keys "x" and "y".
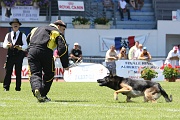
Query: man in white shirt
{"x": 111, "y": 54}
{"x": 172, "y": 57}
{"x": 179, "y": 53}
{"x": 123, "y": 8}
{"x": 15, "y": 42}
{"x": 132, "y": 51}
{"x": 139, "y": 51}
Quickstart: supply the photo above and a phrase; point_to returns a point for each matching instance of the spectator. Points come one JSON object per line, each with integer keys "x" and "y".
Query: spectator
{"x": 139, "y": 51}
{"x": 43, "y": 40}
{"x": 145, "y": 55}
{"x": 122, "y": 6}
{"x": 179, "y": 53}
{"x": 111, "y": 54}
{"x": 122, "y": 54}
{"x": 76, "y": 53}
{"x": 172, "y": 57}
{"x": 108, "y": 4}
{"x": 137, "y": 2}
{"x": 132, "y": 3}
{"x": 132, "y": 51}
{"x": 15, "y": 42}
{"x": 55, "y": 56}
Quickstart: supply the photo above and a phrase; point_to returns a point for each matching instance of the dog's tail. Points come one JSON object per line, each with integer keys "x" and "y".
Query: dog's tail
{"x": 165, "y": 95}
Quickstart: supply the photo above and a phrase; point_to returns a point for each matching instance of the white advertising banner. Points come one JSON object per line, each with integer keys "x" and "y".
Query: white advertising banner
{"x": 23, "y": 13}
{"x": 91, "y": 72}
{"x": 85, "y": 72}
{"x": 132, "y": 68}
{"x": 71, "y": 5}
{"x": 59, "y": 71}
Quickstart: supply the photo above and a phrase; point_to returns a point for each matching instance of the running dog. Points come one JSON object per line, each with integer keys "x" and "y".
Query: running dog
{"x": 134, "y": 88}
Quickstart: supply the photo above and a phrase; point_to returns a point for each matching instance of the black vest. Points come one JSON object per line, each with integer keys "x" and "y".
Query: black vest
{"x": 13, "y": 51}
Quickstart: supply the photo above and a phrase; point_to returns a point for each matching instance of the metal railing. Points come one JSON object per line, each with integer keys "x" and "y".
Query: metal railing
{"x": 163, "y": 8}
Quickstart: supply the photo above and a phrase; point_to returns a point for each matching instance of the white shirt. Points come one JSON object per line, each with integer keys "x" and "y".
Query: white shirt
{"x": 172, "y": 62}
{"x": 110, "y": 53}
{"x": 138, "y": 53}
{"x": 132, "y": 51}
{"x": 24, "y": 46}
{"x": 122, "y": 4}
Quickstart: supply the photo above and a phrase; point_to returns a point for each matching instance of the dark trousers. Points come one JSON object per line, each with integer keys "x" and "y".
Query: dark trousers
{"x": 122, "y": 13}
{"x": 42, "y": 69}
{"x": 14, "y": 60}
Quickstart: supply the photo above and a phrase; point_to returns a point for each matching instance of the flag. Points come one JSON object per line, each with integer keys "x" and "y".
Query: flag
{"x": 119, "y": 42}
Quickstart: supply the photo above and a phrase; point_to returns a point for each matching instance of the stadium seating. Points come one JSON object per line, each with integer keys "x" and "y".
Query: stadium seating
{"x": 163, "y": 8}
{"x": 152, "y": 11}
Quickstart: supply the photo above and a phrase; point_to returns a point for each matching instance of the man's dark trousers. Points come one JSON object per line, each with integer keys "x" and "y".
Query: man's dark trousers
{"x": 13, "y": 61}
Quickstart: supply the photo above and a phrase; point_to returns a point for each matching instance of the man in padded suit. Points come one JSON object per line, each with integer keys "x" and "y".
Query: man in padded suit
{"x": 43, "y": 40}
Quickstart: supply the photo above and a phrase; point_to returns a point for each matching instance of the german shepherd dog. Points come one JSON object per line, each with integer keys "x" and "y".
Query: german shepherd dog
{"x": 134, "y": 88}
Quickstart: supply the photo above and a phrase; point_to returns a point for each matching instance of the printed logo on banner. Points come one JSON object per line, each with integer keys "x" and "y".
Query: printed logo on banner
{"x": 59, "y": 70}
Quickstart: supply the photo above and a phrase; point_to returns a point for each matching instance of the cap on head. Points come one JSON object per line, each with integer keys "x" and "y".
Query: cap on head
{"x": 15, "y": 20}
{"x": 144, "y": 48}
{"x": 76, "y": 43}
{"x": 175, "y": 48}
{"x": 60, "y": 22}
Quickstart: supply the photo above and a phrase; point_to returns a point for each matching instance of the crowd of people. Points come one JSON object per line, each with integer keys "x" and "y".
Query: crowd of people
{"x": 137, "y": 52}
{"x": 140, "y": 52}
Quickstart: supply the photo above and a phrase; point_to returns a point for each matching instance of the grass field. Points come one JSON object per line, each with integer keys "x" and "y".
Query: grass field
{"x": 86, "y": 101}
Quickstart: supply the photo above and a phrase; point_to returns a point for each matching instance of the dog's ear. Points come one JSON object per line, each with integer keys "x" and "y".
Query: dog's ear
{"x": 110, "y": 74}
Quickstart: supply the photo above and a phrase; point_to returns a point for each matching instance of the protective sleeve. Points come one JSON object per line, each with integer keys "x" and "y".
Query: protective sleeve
{"x": 62, "y": 48}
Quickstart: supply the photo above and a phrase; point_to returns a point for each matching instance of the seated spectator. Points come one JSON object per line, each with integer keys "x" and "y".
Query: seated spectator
{"x": 122, "y": 54}
{"x": 139, "y": 51}
{"x": 76, "y": 54}
{"x": 145, "y": 55}
{"x": 179, "y": 53}
{"x": 55, "y": 55}
{"x": 137, "y": 2}
{"x": 173, "y": 57}
{"x": 122, "y": 6}
{"x": 111, "y": 54}
{"x": 132, "y": 51}
{"x": 132, "y": 3}
{"x": 108, "y": 4}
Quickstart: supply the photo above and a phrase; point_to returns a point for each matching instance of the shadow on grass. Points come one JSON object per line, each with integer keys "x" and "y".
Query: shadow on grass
{"x": 70, "y": 101}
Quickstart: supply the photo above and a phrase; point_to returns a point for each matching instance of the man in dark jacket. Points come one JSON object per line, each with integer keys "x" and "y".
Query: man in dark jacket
{"x": 15, "y": 42}
{"x": 43, "y": 40}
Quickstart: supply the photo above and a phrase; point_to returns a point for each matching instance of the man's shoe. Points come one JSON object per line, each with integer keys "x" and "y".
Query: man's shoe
{"x": 37, "y": 94}
{"x": 129, "y": 19}
{"x": 6, "y": 89}
{"x": 18, "y": 89}
{"x": 46, "y": 99}
{"x": 122, "y": 19}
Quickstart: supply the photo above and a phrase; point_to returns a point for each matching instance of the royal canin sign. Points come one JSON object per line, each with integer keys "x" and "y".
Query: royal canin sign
{"x": 71, "y": 5}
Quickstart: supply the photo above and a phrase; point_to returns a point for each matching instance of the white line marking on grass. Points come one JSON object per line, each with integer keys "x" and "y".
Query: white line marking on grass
{"x": 2, "y": 104}
{"x": 113, "y": 106}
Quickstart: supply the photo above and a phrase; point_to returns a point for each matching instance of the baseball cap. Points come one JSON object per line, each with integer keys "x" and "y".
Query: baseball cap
{"x": 144, "y": 48}
{"x": 76, "y": 43}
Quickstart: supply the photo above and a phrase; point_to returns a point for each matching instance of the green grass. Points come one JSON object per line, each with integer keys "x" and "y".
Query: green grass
{"x": 86, "y": 101}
